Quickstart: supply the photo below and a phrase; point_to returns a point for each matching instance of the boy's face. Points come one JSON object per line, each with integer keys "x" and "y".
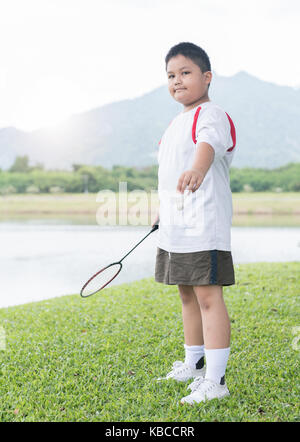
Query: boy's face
{"x": 187, "y": 83}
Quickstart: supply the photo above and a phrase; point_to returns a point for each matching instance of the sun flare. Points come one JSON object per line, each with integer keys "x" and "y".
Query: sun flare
{"x": 48, "y": 102}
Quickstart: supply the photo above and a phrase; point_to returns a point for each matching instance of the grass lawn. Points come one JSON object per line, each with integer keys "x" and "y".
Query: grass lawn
{"x": 96, "y": 359}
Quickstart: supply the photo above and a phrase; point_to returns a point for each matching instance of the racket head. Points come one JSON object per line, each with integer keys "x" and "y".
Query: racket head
{"x": 100, "y": 279}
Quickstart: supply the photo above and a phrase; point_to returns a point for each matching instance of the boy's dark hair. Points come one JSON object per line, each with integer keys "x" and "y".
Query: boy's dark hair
{"x": 192, "y": 51}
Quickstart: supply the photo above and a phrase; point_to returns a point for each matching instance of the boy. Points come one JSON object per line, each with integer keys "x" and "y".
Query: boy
{"x": 194, "y": 244}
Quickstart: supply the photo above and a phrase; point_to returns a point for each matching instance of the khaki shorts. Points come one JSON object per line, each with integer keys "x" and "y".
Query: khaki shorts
{"x": 209, "y": 267}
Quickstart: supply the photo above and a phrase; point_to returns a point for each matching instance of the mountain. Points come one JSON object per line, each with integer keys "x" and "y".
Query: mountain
{"x": 266, "y": 117}
{"x": 127, "y": 132}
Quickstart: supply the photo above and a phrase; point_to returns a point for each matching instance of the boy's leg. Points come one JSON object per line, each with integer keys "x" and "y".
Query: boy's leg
{"x": 191, "y": 316}
{"x": 216, "y": 330}
{"x": 215, "y": 319}
{"x": 192, "y": 326}
{"x": 216, "y": 333}
{"x": 193, "y": 366}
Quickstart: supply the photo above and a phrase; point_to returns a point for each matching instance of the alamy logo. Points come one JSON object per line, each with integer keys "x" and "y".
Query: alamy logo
{"x": 138, "y": 207}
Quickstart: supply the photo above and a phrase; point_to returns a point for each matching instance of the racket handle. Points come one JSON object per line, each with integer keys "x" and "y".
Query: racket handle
{"x": 155, "y": 227}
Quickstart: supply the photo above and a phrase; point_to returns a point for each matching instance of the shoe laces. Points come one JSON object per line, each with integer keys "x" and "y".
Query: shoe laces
{"x": 196, "y": 383}
{"x": 178, "y": 367}
{"x": 205, "y": 386}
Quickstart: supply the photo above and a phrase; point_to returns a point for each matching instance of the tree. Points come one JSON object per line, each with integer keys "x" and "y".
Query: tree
{"x": 20, "y": 164}
{"x": 76, "y": 167}
{"x": 38, "y": 166}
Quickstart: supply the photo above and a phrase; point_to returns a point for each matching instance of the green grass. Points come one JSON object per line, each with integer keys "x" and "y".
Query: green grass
{"x": 69, "y": 359}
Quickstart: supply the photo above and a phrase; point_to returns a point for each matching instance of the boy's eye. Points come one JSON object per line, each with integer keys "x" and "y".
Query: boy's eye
{"x": 170, "y": 76}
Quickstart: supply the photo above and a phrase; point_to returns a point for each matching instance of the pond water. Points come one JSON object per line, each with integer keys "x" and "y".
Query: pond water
{"x": 42, "y": 260}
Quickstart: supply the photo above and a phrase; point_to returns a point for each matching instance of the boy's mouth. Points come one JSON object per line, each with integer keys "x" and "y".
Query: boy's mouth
{"x": 180, "y": 89}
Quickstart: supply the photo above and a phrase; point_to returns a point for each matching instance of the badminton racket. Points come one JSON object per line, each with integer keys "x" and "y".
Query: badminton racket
{"x": 108, "y": 273}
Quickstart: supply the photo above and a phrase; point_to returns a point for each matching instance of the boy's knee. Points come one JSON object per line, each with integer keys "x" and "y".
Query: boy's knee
{"x": 186, "y": 294}
{"x": 205, "y": 302}
{"x": 206, "y": 298}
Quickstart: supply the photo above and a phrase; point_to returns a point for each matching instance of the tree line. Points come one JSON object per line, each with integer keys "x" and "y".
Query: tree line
{"x": 23, "y": 178}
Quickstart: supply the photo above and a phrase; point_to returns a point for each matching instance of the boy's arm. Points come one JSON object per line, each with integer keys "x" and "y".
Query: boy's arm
{"x": 193, "y": 177}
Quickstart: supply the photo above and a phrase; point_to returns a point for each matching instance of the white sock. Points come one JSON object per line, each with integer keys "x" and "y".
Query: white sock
{"x": 194, "y": 355}
{"x": 216, "y": 361}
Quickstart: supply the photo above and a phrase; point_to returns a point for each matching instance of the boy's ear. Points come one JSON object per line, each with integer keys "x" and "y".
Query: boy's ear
{"x": 208, "y": 76}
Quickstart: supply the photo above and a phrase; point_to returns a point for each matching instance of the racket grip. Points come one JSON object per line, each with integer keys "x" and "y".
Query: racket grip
{"x": 155, "y": 226}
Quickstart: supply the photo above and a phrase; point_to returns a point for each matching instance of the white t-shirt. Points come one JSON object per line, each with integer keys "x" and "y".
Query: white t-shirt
{"x": 201, "y": 220}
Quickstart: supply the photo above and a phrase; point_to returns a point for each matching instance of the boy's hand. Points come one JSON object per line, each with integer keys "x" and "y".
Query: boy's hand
{"x": 156, "y": 220}
{"x": 190, "y": 179}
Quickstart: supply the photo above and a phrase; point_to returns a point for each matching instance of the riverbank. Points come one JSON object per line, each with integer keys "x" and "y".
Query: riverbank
{"x": 249, "y": 209}
{"x": 69, "y": 359}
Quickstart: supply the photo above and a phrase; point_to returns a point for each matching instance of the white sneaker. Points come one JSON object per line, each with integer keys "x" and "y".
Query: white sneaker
{"x": 206, "y": 391}
{"x": 182, "y": 372}
{"x": 197, "y": 381}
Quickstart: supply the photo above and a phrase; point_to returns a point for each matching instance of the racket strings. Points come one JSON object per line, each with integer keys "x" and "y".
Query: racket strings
{"x": 101, "y": 279}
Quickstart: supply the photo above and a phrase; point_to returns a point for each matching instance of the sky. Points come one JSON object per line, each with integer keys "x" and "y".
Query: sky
{"x": 62, "y": 57}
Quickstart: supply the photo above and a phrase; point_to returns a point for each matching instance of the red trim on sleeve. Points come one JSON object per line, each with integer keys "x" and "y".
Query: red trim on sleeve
{"x": 195, "y": 124}
{"x": 232, "y": 129}
{"x": 232, "y": 133}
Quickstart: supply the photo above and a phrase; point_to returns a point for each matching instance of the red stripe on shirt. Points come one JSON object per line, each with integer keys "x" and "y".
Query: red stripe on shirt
{"x": 195, "y": 124}
{"x": 232, "y": 133}
{"x": 232, "y": 129}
